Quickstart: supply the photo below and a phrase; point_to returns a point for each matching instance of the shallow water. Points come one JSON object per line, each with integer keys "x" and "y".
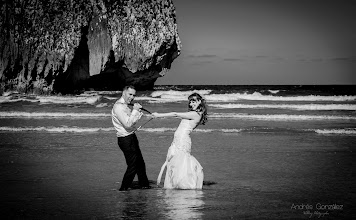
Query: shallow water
{"x": 257, "y": 176}
{"x": 268, "y": 159}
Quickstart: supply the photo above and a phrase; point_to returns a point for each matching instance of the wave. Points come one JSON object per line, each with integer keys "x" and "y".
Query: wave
{"x": 267, "y": 117}
{"x": 317, "y": 107}
{"x": 256, "y": 96}
{"x": 81, "y": 99}
{"x": 273, "y": 91}
{"x": 174, "y": 96}
{"x": 65, "y": 129}
{"x": 55, "y": 129}
{"x": 91, "y": 93}
{"x": 69, "y": 115}
{"x": 9, "y": 99}
{"x": 69, "y": 100}
{"x": 281, "y": 117}
{"x": 177, "y": 94}
{"x": 349, "y": 131}
{"x": 169, "y": 96}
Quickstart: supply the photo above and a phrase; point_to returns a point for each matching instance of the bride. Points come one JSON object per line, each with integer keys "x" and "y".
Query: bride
{"x": 183, "y": 170}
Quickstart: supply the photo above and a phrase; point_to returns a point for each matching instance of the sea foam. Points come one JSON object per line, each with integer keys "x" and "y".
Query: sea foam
{"x": 169, "y": 96}
{"x": 69, "y": 99}
{"x": 65, "y": 129}
{"x": 68, "y": 115}
{"x": 55, "y": 129}
{"x": 318, "y": 107}
{"x": 177, "y": 96}
{"x": 270, "y": 117}
{"x": 348, "y": 131}
{"x": 52, "y": 99}
{"x": 280, "y": 117}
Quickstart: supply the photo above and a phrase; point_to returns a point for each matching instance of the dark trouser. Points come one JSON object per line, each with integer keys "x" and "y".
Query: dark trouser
{"x": 134, "y": 160}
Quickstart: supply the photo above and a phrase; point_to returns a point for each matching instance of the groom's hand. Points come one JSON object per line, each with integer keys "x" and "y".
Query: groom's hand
{"x": 137, "y": 106}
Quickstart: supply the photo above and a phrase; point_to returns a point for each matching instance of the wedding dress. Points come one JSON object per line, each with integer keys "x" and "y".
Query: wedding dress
{"x": 183, "y": 170}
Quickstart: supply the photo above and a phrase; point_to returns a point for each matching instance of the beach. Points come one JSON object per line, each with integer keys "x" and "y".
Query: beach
{"x": 253, "y": 180}
{"x": 61, "y": 160}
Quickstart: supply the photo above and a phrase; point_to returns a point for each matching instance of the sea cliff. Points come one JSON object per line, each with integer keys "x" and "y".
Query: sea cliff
{"x": 67, "y": 46}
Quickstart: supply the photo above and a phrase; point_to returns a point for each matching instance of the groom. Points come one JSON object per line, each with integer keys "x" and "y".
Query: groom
{"x": 124, "y": 120}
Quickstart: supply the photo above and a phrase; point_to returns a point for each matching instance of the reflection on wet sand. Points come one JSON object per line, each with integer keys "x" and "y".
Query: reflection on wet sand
{"x": 135, "y": 204}
{"x": 182, "y": 204}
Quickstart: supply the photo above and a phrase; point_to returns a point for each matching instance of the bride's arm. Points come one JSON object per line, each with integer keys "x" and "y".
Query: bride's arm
{"x": 192, "y": 115}
{"x": 162, "y": 115}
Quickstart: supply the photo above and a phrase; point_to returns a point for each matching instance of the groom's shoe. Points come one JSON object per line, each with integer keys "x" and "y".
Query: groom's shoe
{"x": 123, "y": 189}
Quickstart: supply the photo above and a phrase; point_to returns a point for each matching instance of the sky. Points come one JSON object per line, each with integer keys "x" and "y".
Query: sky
{"x": 264, "y": 42}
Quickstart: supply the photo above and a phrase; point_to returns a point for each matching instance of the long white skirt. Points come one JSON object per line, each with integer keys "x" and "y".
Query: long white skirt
{"x": 183, "y": 172}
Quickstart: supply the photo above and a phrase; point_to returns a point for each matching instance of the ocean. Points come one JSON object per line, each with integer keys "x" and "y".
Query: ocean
{"x": 268, "y": 152}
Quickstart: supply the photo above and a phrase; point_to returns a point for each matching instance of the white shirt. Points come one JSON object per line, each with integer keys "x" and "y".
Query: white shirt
{"x": 124, "y": 119}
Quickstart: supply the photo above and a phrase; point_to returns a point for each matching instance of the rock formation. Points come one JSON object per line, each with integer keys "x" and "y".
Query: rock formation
{"x": 65, "y": 46}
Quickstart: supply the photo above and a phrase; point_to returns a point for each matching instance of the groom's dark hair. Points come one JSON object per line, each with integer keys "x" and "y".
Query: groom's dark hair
{"x": 129, "y": 87}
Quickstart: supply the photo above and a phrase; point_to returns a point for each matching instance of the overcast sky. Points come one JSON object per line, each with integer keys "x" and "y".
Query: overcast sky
{"x": 270, "y": 42}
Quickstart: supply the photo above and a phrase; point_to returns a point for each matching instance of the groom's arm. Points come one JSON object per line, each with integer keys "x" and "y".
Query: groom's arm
{"x": 127, "y": 120}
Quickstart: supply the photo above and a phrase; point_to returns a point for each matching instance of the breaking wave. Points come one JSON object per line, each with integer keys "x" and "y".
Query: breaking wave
{"x": 281, "y": 117}
{"x": 349, "y": 131}
{"x": 65, "y": 129}
{"x": 270, "y": 117}
{"x": 82, "y": 99}
{"x": 169, "y": 96}
{"x": 174, "y": 96}
{"x": 68, "y": 115}
{"x": 318, "y": 107}
{"x": 55, "y": 129}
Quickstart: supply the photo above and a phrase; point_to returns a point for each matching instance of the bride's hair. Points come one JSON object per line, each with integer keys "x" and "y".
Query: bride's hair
{"x": 202, "y": 109}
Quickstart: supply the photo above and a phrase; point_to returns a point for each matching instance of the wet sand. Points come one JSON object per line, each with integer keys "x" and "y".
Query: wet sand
{"x": 61, "y": 176}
